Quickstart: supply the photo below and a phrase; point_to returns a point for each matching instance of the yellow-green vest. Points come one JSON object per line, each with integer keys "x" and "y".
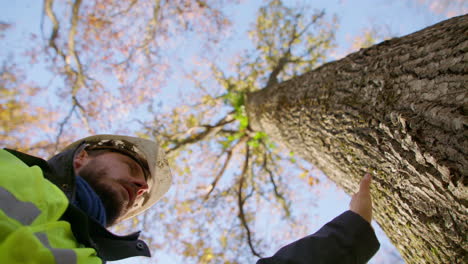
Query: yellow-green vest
{"x": 30, "y": 227}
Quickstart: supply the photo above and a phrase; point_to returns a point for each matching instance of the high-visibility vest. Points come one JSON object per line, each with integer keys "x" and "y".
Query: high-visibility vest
{"x": 30, "y": 227}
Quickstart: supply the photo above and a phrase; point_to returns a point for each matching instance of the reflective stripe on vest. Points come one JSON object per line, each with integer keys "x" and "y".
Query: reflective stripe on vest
{"x": 61, "y": 255}
{"x": 23, "y": 212}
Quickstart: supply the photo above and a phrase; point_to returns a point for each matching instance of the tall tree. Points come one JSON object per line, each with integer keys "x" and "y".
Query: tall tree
{"x": 398, "y": 109}
{"x": 288, "y": 41}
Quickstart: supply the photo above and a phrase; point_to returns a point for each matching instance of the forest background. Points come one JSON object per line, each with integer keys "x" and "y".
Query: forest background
{"x": 177, "y": 71}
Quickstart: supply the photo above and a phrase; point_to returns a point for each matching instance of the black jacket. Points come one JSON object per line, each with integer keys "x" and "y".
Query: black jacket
{"x": 87, "y": 231}
{"x": 346, "y": 239}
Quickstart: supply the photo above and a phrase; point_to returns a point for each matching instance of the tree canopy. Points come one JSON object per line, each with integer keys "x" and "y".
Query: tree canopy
{"x": 103, "y": 58}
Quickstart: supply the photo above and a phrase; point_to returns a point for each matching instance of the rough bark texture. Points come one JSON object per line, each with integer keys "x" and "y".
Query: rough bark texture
{"x": 400, "y": 109}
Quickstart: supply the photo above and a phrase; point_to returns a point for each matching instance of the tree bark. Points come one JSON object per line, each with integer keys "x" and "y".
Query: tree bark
{"x": 398, "y": 108}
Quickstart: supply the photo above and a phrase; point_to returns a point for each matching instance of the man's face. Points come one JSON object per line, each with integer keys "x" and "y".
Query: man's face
{"x": 116, "y": 178}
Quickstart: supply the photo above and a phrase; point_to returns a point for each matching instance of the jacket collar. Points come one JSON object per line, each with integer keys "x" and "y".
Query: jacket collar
{"x": 63, "y": 174}
{"x": 58, "y": 169}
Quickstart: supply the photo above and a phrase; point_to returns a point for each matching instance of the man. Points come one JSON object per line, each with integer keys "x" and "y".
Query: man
{"x": 56, "y": 211}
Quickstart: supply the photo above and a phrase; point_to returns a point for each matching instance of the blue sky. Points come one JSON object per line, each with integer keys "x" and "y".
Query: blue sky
{"x": 397, "y": 18}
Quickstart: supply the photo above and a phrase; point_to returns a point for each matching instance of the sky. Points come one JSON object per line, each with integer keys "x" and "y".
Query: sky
{"x": 391, "y": 18}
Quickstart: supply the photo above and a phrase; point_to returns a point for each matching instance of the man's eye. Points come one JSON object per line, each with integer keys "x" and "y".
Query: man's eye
{"x": 133, "y": 169}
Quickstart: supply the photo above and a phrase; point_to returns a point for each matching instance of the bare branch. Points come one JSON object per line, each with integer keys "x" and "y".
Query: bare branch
{"x": 273, "y": 78}
{"x": 79, "y": 76}
{"x": 50, "y": 13}
{"x": 209, "y": 131}
{"x": 220, "y": 174}
{"x": 151, "y": 27}
{"x": 123, "y": 12}
{"x": 313, "y": 21}
{"x": 228, "y": 131}
{"x": 75, "y": 104}
{"x": 241, "y": 201}
{"x": 310, "y": 49}
{"x": 151, "y": 30}
{"x": 225, "y": 165}
{"x": 61, "y": 126}
{"x": 285, "y": 58}
{"x": 279, "y": 196}
{"x": 84, "y": 115}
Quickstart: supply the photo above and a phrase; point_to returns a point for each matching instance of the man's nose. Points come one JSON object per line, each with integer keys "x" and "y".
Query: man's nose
{"x": 141, "y": 186}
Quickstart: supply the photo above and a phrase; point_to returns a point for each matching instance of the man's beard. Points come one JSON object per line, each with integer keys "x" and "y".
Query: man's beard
{"x": 113, "y": 205}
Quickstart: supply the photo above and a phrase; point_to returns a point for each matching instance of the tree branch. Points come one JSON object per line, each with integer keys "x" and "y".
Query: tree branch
{"x": 123, "y": 12}
{"x": 84, "y": 117}
{"x": 151, "y": 27}
{"x": 228, "y": 131}
{"x": 50, "y": 13}
{"x": 77, "y": 78}
{"x": 314, "y": 20}
{"x": 278, "y": 195}
{"x": 225, "y": 165}
{"x": 285, "y": 58}
{"x": 61, "y": 126}
{"x": 209, "y": 130}
{"x": 273, "y": 78}
{"x": 220, "y": 174}
{"x": 241, "y": 201}
{"x": 149, "y": 35}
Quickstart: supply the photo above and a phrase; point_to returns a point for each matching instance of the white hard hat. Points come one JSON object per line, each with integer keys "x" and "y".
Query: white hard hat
{"x": 148, "y": 154}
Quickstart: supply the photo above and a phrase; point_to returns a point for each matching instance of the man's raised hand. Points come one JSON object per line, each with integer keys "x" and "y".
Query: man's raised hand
{"x": 361, "y": 202}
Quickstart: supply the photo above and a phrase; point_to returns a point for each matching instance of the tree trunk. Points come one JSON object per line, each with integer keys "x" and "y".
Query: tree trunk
{"x": 399, "y": 109}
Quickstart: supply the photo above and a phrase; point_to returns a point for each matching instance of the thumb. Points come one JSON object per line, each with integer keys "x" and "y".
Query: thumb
{"x": 364, "y": 187}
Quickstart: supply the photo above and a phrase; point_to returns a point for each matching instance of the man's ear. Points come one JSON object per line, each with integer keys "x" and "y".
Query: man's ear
{"x": 80, "y": 159}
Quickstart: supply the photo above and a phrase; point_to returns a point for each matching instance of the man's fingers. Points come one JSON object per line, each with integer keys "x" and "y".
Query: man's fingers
{"x": 365, "y": 183}
{"x": 361, "y": 203}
